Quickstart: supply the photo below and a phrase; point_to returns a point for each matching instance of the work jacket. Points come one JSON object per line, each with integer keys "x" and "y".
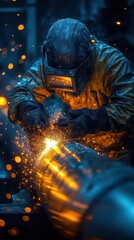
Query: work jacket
{"x": 110, "y": 85}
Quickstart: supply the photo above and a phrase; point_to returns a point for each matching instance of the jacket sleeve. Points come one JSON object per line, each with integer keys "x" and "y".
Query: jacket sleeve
{"x": 29, "y": 89}
{"x": 120, "y": 86}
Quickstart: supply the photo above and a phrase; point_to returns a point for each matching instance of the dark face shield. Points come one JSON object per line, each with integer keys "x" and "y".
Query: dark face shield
{"x": 68, "y": 80}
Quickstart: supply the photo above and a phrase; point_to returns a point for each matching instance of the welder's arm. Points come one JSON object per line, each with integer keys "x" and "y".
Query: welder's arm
{"x": 32, "y": 117}
{"x": 27, "y": 94}
{"x": 83, "y": 121}
{"x": 118, "y": 115}
{"x": 120, "y": 84}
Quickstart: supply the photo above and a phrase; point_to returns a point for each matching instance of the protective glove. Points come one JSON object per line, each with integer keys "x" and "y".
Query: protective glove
{"x": 32, "y": 117}
{"x": 84, "y": 121}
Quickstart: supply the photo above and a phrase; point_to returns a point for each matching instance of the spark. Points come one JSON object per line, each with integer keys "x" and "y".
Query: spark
{"x": 49, "y": 144}
{"x": 118, "y": 23}
{"x": 92, "y": 40}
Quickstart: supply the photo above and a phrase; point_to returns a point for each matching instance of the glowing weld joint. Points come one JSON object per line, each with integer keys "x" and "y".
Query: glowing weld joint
{"x": 49, "y": 144}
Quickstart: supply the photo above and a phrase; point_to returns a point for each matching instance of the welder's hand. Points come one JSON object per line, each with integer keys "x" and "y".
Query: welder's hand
{"x": 32, "y": 118}
{"x": 75, "y": 125}
{"x": 84, "y": 121}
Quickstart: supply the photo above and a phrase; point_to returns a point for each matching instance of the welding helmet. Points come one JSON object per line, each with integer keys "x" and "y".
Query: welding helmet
{"x": 66, "y": 56}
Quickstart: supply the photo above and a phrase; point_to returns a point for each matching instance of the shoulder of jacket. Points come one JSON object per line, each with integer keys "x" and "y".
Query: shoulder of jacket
{"x": 36, "y": 64}
{"x": 104, "y": 50}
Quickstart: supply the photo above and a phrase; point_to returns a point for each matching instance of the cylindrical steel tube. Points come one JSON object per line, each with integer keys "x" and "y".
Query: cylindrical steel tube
{"x": 87, "y": 195}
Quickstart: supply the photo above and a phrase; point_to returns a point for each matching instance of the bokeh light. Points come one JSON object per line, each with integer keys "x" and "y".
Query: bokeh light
{"x": 3, "y": 102}
{"x": 10, "y": 66}
{"x": 21, "y": 27}
{"x": 13, "y": 175}
{"x": 2, "y": 223}
{"x": 9, "y": 167}
{"x": 23, "y": 57}
{"x": 27, "y": 209}
{"x": 25, "y": 218}
{"x": 8, "y": 196}
{"x": 13, "y": 231}
{"x": 17, "y": 159}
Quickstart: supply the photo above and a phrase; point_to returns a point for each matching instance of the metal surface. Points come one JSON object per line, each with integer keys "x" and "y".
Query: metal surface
{"x": 86, "y": 195}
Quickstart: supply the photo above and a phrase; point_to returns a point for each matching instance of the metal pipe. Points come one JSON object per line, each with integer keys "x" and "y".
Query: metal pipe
{"x": 86, "y": 195}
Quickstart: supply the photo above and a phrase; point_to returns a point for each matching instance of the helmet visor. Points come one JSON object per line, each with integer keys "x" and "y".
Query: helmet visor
{"x": 64, "y": 83}
{"x": 69, "y": 80}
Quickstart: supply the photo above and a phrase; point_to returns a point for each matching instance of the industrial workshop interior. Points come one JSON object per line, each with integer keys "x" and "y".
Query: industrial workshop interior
{"x": 66, "y": 119}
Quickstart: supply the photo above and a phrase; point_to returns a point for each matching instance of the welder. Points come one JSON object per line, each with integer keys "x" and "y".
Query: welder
{"x": 94, "y": 79}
